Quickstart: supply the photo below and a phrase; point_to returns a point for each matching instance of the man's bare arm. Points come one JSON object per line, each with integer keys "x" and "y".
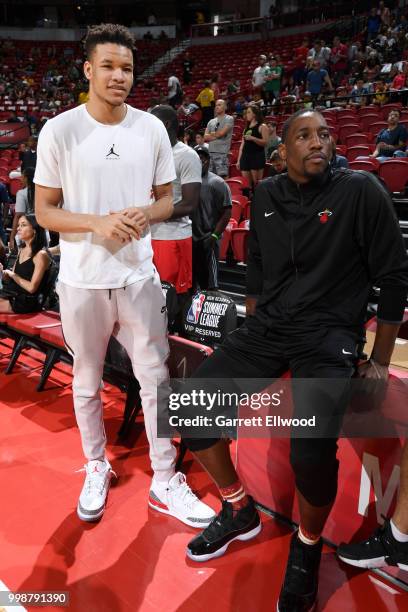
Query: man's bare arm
{"x": 117, "y": 226}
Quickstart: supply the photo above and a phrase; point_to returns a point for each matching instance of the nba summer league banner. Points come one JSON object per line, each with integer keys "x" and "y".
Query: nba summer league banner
{"x": 284, "y": 407}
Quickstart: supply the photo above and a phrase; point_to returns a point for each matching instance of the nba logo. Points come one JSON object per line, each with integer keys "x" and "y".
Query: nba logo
{"x": 196, "y": 305}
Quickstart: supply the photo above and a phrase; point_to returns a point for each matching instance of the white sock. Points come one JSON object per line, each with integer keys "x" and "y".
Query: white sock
{"x": 398, "y": 535}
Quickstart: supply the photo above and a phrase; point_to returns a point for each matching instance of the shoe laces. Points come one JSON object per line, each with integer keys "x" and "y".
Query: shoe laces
{"x": 95, "y": 479}
{"x": 301, "y": 570}
{"x": 185, "y": 494}
{"x": 217, "y": 525}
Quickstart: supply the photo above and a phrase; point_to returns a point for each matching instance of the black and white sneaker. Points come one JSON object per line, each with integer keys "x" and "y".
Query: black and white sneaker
{"x": 299, "y": 590}
{"x": 379, "y": 550}
{"x": 226, "y": 527}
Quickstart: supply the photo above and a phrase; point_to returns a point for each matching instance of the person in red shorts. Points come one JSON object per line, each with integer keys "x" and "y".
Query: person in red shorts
{"x": 172, "y": 239}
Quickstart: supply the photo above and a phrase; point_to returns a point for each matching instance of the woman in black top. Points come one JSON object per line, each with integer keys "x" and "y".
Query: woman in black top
{"x": 251, "y": 156}
{"x": 23, "y": 285}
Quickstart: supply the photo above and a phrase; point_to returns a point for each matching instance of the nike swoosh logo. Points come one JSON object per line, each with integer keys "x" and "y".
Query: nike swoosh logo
{"x": 269, "y": 214}
{"x": 346, "y": 352}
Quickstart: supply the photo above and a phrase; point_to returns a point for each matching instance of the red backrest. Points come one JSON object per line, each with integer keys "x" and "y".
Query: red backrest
{"x": 226, "y": 238}
{"x": 349, "y": 129}
{"x": 362, "y": 165}
{"x": 239, "y": 242}
{"x": 395, "y": 174}
{"x": 375, "y": 128}
{"x": 369, "y": 119}
{"x": 356, "y": 139}
{"x": 354, "y": 152}
{"x": 14, "y": 186}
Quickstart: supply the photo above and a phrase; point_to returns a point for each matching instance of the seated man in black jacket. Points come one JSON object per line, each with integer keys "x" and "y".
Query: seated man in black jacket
{"x": 319, "y": 240}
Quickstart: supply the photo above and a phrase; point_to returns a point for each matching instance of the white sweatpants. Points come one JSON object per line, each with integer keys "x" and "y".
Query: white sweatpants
{"x": 136, "y": 316}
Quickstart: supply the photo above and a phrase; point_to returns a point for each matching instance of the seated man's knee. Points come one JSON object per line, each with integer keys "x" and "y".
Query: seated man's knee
{"x": 315, "y": 467}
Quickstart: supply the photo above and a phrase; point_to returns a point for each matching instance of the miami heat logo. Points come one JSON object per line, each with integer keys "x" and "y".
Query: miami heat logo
{"x": 324, "y": 215}
{"x": 193, "y": 314}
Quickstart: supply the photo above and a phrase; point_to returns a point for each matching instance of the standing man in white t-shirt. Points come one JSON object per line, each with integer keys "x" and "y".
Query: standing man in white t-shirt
{"x": 175, "y": 95}
{"x": 172, "y": 239}
{"x": 104, "y": 158}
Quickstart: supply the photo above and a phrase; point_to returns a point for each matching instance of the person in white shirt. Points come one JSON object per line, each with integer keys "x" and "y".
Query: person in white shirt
{"x": 175, "y": 92}
{"x": 172, "y": 239}
{"x": 258, "y": 77}
{"x": 103, "y": 159}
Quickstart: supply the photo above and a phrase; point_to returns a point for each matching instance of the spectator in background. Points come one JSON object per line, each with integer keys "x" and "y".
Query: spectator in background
{"x": 391, "y": 141}
{"x": 24, "y": 202}
{"x": 187, "y": 68}
{"x": 251, "y": 155}
{"x": 199, "y": 140}
{"x": 175, "y": 92}
{"x": 278, "y": 164}
{"x": 301, "y": 53}
{"x": 373, "y": 25}
{"x": 4, "y": 202}
{"x": 28, "y": 157}
{"x": 272, "y": 84}
{"x": 258, "y": 76}
{"x": 380, "y": 96}
{"x": 23, "y": 285}
{"x": 384, "y": 14}
{"x": 318, "y": 54}
{"x": 240, "y": 106}
{"x": 215, "y": 85}
{"x": 338, "y": 60}
{"x": 209, "y": 219}
{"x": 317, "y": 78}
{"x": 233, "y": 86}
{"x": 338, "y": 161}
{"x": 206, "y": 102}
{"x": 13, "y": 118}
{"x": 218, "y": 134}
{"x": 359, "y": 93}
{"x": 399, "y": 81}
{"x": 273, "y": 139}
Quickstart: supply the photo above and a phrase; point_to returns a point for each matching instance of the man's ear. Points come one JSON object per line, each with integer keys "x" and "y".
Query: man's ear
{"x": 282, "y": 151}
{"x": 87, "y": 69}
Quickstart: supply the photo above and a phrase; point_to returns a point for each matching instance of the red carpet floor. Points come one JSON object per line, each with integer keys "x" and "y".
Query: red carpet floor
{"x": 134, "y": 559}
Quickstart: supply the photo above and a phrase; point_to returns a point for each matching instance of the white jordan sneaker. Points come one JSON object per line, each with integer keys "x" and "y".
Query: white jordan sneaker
{"x": 91, "y": 504}
{"x": 177, "y": 499}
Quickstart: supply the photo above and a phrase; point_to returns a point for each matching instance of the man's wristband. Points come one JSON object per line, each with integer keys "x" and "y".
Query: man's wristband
{"x": 216, "y": 236}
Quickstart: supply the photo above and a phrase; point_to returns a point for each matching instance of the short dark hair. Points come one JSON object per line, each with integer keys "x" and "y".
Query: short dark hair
{"x": 166, "y": 114}
{"x": 299, "y": 113}
{"x": 395, "y": 110}
{"x": 108, "y": 33}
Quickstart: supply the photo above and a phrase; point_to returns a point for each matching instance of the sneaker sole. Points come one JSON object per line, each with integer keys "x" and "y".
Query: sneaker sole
{"x": 371, "y": 563}
{"x": 310, "y": 609}
{"x": 243, "y": 537}
{"x": 90, "y": 518}
{"x": 184, "y": 520}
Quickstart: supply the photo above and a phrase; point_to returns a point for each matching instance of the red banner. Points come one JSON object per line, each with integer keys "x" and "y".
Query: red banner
{"x": 14, "y": 133}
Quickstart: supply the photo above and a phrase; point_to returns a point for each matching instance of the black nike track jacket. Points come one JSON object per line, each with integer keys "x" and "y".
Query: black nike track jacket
{"x": 315, "y": 250}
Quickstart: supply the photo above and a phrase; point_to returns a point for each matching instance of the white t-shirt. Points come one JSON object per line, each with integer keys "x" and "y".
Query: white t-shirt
{"x": 258, "y": 77}
{"x": 172, "y": 85}
{"x": 101, "y": 169}
{"x": 188, "y": 170}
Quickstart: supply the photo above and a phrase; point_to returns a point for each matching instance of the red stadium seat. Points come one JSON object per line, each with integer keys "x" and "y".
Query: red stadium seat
{"x": 372, "y": 160}
{"x": 226, "y": 238}
{"x": 375, "y": 128}
{"x": 239, "y": 242}
{"x": 368, "y": 166}
{"x": 14, "y": 186}
{"x": 354, "y": 152}
{"x": 354, "y": 140}
{"x": 395, "y": 174}
{"x": 369, "y": 119}
{"x": 349, "y": 129}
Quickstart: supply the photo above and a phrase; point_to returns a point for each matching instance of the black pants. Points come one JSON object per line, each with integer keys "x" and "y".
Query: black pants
{"x": 205, "y": 264}
{"x": 252, "y": 351}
